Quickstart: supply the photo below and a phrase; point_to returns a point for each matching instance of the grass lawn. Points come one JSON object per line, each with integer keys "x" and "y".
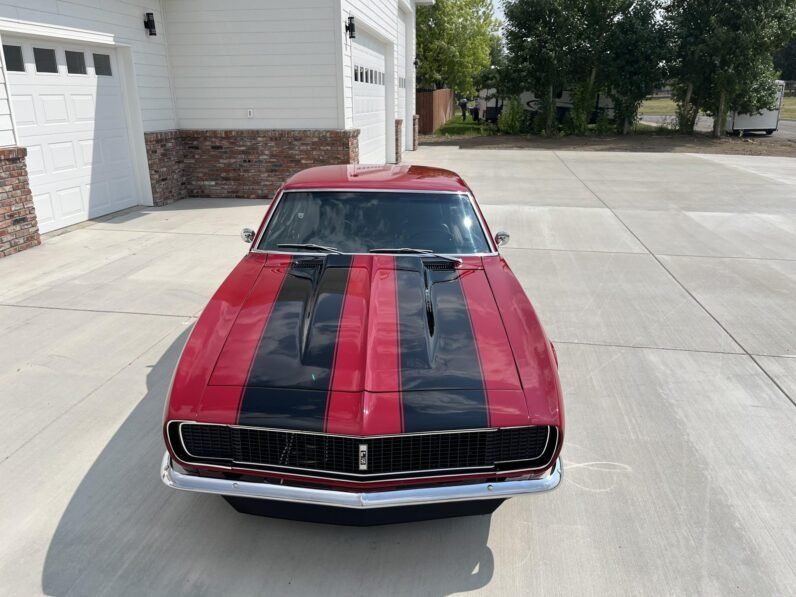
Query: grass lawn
{"x": 650, "y": 129}
{"x": 788, "y": 108}
{"x": 456, "y": 126}
{"x": 662, "y": 106}
{"x": 666, "y": 107}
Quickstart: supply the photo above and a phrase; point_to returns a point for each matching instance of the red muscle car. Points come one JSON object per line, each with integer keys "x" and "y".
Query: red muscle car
{"x": 372, "y": 358}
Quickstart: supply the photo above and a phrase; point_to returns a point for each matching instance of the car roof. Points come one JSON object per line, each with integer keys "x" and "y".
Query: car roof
{"x": 390, "y": 177}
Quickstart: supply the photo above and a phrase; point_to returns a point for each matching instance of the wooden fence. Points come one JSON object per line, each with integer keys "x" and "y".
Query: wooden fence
{"x": 435, "y": 108}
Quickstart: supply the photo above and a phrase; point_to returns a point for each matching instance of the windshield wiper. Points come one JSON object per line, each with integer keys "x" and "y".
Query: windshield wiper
{"x": 411, "y": 250}
{"x": 308, "y": 246}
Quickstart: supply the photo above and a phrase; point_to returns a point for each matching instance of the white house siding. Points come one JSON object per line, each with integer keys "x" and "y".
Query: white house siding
{"x": 123, "y": 20}
{"x": 381, "y": 17}
{"x": 274, "y": 58}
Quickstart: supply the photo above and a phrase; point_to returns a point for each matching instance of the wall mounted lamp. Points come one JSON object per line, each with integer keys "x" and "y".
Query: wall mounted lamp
{"x": 351, "y": 28}
{"x": 149, "y": 24}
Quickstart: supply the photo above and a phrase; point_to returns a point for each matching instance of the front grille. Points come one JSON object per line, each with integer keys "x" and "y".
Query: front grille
{"x": 207, "y": 441}
{"x": 339, "y": 456}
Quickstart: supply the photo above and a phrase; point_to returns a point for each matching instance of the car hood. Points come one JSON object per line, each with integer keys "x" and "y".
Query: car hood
{"x": 369, "y": 344}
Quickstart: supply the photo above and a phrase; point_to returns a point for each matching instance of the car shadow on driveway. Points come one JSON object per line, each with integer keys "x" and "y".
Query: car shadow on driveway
{"x": 125, "y": 533}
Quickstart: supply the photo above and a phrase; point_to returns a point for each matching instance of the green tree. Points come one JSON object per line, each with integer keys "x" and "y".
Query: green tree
{"x": 491, "y": 76}
{"x": 454, "y": 38}
{"x": 593, "y": 23}
{"x": 690, "y": 67}
{"x": 724, "y": 55}
{"x": 637, "y": 48}
{"x": 785, "y": 61}
{"x": 540, "y": 44}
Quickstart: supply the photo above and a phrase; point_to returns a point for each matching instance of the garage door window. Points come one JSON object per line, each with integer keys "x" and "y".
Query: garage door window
{"x": 13, "y": 56}
{"x": 75, "y": 63}
{"x": 102, "y": 65}
{"x": 45, "y": 60}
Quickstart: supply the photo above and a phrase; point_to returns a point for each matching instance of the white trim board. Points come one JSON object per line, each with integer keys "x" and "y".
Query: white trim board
{"x": 31, "y": 29}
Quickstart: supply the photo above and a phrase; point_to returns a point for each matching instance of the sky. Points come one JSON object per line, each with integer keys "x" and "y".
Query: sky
{"x": 498, "y": 9}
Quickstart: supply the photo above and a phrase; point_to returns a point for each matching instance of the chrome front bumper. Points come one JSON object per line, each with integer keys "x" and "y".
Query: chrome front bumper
{"x": 363, "y": 500}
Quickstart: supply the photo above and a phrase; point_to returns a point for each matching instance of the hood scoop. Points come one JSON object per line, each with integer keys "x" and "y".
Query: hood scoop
{"x": 308, "y": 263}
{"x": 378, "y": 323}
{"x": 442, "y": 265}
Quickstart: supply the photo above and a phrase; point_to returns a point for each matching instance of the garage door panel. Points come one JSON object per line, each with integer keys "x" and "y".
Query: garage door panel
{"x": 35, "y": 160}
{"x": 54, "y": 109}
{"x": 24, "y": 110}
{"x": 45, "y": 214}
{"x": 89, "y": 153}
{"x": 63, "y": 156}
{"x": 70, "y": 201}
{"x": 99, "y": 198}
{"x": 75, "y": 128}
{"x": 83, "y": 106}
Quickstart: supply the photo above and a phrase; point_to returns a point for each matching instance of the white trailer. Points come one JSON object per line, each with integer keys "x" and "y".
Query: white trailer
{"x": 765, "y": 121}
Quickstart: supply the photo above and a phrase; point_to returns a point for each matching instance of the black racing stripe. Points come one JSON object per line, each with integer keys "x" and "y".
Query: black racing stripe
{"x": 290, "y": 377}
{"x": 442, "y": 386}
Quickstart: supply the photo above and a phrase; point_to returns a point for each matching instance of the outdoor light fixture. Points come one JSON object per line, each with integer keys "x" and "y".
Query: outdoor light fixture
{"x": 149, "y": 23}
{"x": 351, "y": 28}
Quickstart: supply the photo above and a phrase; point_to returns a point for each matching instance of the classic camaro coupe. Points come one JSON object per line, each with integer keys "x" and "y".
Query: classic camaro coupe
{"x": 371, "y": 359}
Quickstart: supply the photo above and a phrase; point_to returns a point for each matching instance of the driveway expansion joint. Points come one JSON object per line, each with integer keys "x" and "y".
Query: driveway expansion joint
{"x": 106, "y": 311}
{"x": 657, "y": 258}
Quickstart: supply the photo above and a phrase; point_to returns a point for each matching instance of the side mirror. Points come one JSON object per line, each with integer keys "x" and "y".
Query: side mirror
{"x": 247, "y": 235}
{"x": 502, "y": 238}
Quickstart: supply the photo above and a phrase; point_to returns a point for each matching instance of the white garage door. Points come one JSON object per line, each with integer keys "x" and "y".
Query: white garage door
{"x": 369, "y": 105}
{"x": 70, "y": 114}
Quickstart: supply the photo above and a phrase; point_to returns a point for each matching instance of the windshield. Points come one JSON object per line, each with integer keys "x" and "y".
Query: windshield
{"x": 362, "y": 221}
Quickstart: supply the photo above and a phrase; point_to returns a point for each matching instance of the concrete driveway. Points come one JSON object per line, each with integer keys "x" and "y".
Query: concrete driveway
{"x": 668, "y": 283}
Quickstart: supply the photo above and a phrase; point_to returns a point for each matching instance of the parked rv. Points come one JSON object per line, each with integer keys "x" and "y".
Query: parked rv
{"x": 493, "y": 102}
{"x": 565, "y": 103}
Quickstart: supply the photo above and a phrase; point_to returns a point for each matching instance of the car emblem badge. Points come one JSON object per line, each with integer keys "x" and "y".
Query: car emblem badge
{"x": 363, "y": 457}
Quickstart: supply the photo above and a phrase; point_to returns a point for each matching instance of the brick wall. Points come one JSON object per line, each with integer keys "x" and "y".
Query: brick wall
{"x": 165, "y": 155}
{"x": 399, "y": 140}
{"x": 415, "y": 131}
{"x": 19, "y": 229}
{"x": 239, "y": 163}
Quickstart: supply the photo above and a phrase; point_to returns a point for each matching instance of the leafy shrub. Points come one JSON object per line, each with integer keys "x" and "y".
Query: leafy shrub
{"x": 603, "y": 126}
{"x": 511, "y": 119}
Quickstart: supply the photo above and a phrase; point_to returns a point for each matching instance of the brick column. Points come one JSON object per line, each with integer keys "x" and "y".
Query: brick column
{"x": 399, "y": 140}
{"x": 415, "y": 131}
{"x": 165, "y": 155}
{"x": 19, "y": 229}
